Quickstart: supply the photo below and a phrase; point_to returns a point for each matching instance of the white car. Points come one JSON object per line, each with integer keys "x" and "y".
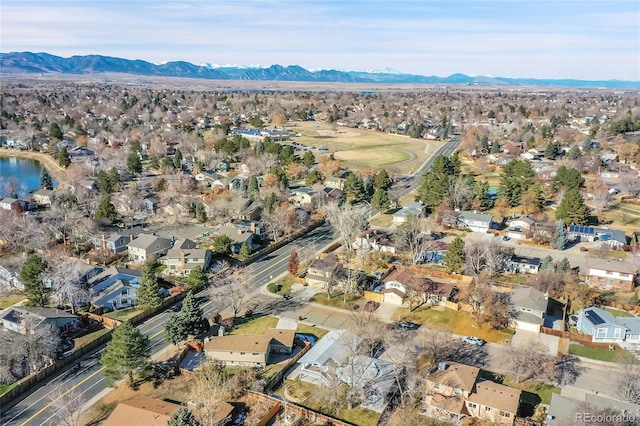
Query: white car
{"x": 474, "y": 341}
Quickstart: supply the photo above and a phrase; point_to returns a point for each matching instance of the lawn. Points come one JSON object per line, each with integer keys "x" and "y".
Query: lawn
{"x": 313, "y": 397}
{"x": 6, "y": 388}
{"x": 598, "y": 353}
{"x": 457, "y": 322}
{"x": 123, "y": 314}
{"x": 533, "y": 392}
{"x": 84, "y": 339}
{"x": 618, "y": 312}
{"x": 255, "y": 325}
{"x": 285, "y": 284}
{"x": 382, "y": 220}
{"x": 308, "y": 329}
{"x": 513, "y": 279}
{"x": 9, "y": 300}
{"x": 337, "y": 300}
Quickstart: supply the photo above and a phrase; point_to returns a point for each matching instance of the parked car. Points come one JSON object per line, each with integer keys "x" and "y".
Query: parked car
{"x": 286, "y": 296}
{"x": 505, "y": 238}
{"x": 408, "y": 325}
{"x": 474, "y": 341}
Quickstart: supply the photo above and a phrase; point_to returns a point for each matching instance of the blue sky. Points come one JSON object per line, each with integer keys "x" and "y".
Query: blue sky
{"x": 584, "y": 39}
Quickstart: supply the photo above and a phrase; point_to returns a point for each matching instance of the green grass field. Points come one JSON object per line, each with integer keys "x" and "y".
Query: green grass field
{"x": 9, "y": 300}
{"x": 254, "y": 325}
{"x": 599, "y": 353}
{"x": 123, "y": 314}
{"x": 6, "y": 388}
{"x": 308, "y": 329}
{"x": 337, "y": 300}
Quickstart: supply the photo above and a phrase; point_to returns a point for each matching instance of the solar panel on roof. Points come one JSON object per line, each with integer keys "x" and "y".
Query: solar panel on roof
{"x": 594, "y": 318}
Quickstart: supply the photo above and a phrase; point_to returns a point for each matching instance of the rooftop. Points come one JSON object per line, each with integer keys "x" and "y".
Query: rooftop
{"x": 496, "y": 396}
{"x": 142, "y": 412}
{"x": 456, "y": 376}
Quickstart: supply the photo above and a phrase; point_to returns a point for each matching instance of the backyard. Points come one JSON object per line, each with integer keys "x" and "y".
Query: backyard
{"x": 123, "y": 314}
{"x": 457, "y": 322}
{"x": 10, "y": 300}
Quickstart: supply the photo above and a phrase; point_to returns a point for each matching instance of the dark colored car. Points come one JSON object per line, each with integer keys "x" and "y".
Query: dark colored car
{"x": 407, "y": 325}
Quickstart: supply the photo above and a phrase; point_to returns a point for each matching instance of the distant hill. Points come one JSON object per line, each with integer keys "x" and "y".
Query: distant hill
{"x": 27, "y": 63}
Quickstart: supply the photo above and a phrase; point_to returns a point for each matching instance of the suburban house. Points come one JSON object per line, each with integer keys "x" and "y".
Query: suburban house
{"x": 412, "y": 208}
{"x": 22, "y": 319}
{"x": 610, "y": 274}
{"x": 614, "y": 238}
{"x": 142, "y": 411}
{"x": 43, "y": 196}
{"x": 250, "y": 350}
{"x": 606, "y": 328}
{"x": 182, "y": 261}
{"x": 523, "y": 265}
{"x": 239, "y": 237}
{"x": 323, "y": 270}
{"x": 146, "y": 247}
{"x": 477, "y": 222}
{"x": 401, "y": 283}
{"x": 10, "y": 278}
{"x": 530, "y": 306}
{"x": 255, "y": 227}
{"x": 333, "y": 194}
{"x": 454, "y": 392}
{"x": 301, "y": 196}
{"x": 150, "y": 204}
{"x": 337, "y": 182}
{"x": 375, "y": 376}
{"x": 110, "y": 275}
{"x": 119, "y": 295}
{"x": 375, "y": 240}
{"x": 112, "y": 243}
{"x": 521, "y": 227}
{"x": 211, "y": 179}
{"x": 319, "y": 364}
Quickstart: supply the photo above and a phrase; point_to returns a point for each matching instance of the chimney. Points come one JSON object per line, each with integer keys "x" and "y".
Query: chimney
{"x": 182, "y": 257}
{"x": 253, "y": 227}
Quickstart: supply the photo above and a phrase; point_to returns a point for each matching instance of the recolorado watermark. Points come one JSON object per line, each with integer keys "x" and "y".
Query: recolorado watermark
{"x": 601, "y": 418}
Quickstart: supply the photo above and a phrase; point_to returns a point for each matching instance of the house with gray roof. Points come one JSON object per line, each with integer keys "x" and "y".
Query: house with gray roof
{"x": 180, "y": 261}
{"x": 319, "y": 364}
{"x": 146, "y": 247}
{"x": 606, "y": 328}
{"x": 613, "y": 238}
{"x": 477, "y": 222}
{"x": 21, "y": 319}
{"x": 112, "y": 243}
{"x": 563, "y": 410}
{"x": 414, "y": 208}
{"x": 533, "y": 309}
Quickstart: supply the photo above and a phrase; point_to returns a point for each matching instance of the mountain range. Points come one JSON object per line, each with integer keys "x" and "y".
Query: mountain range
{"x": 29, "y": 63}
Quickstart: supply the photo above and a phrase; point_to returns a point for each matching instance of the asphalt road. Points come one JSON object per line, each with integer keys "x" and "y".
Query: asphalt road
{"x": 87, "y": 380}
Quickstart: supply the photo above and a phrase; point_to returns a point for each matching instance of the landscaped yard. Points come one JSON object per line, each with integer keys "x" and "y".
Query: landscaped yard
{"x": 618, "y": 312}
{"x": 317, "y": 398}
{"x": 599, "y": 353}
{"x": 512, "y": 279}
{"x": 337, "y": 300}
{"x": 308, "y": 329}
{"x": 9, "y": 300}
{"x": 123, "y": 314}
{"x": 84, "y": 339}
{"x": 6, "y": 388}
{"x": 533, "y": 393}
{"x": 254, "y": 325}
{"x": 283, "y": 285}
{"x": 457, "y": 322}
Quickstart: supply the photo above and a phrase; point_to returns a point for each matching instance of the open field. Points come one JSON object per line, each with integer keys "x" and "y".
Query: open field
{"x": 256, "y": 325}
{"x": 359, "y": 148}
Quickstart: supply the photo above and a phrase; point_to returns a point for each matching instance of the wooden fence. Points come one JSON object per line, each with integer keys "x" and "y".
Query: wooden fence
{"x": 584, "y": 339}
{"x": 278, "y": 377}
{"x": 110, "y": 323}
{"x": 307, "y": 413}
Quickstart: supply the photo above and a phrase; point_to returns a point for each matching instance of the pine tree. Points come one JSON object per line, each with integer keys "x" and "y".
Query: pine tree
{"x": 515, "y": 179}
{"x": 175, "y": 330}
{"x": 572, "y": 208}
{"x": 183, "y": 417}
{"x": 354, "y": 189}
{"x": 561, "y": 239}
{"x": 455, "y": 257}
{"x": 380, "y": 199}
{"x": 134, "y": 164}
{"x": 313, "y": 177}
{"x": 192, "y": 316}
{"x": 564, "y": 265}
{"x": 546, "y": 263}
{"x": 128, "y": 351}
{"x": 55, "y": 132}
{"x": 294, "y": 263}
{"x": 106, "y": 210}
{"x": 569, "y": 178}
{"x": 32, "y": 276}
{"x": 222, "y": 244}
{"x": 253, "y": 188}
{"x": 177, "y": 160}
{"x": 308, "y": 159}
{"x": 197, "y": 278}
{"x": 63, "y": 158}
{"x": 382, "y": 180}
{"x": 45, "y": 180}
{"x": 148, "y": 294}
{"x": 201, "y": 213}
{"x": 434, "y": 183}
{"x": 245, "y": 251}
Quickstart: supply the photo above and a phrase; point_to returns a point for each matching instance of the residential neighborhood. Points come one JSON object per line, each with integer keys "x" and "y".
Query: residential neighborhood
{"x": 347, "y": 258}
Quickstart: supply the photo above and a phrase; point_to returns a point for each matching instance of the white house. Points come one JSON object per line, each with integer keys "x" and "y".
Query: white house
{"x": 145, "y": 247}
{"x": 611, "y": 274}
{"x": 477, "y": 222}
{"x": 412, "y": 208}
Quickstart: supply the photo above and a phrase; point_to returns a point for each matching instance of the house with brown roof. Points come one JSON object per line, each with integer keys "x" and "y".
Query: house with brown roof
{"x": 402, "y": 283}
{"x": 323, "y": 269}
{"x": 142, "y": 412}
{"x": 250, "y": 350}
{"x": 454, "y": 391}
{"x": 375, "y": 240}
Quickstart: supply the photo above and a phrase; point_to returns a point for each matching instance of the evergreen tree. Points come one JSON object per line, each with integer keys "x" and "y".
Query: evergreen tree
{"x": 569, "y": 178}
{"x": 253, "y": 188}
{"x": 546, "y": 263}
{"x": 564, "y": 265}
{"x": 104, "y": 183}
{"x": 382, "y": 180}
{"x": 106, "y": 209}
{"x": 515, "y": 179}
{"x": 533, "y": 200}
{"x": 63, "y": 158}
{"x": 481, "y": 194}
{"x": 148, "y": 294}
{"x": 55, "y": 132}
{"x": 128, "y": 351}
{"x": 134, "y": 164}
{"x": 183, "y": 417}
{"x": 552, "y": 151}
{"x": 192, "y": 316}
{"x": 244, "y": 252}
{"x": 32, "y": 276}
{"x": 455, "y": 256}
{"x": 308, "y": 159}
{"x": 572, "y": 209}
{"x": 561, "y": 239}
{"x": 495, "y": 147}
{"x": 259, "y": 149}
{"x": 434, "y": 183}
{"x": 294, "y": 263}
{"x": 354, "y": 190}
{"x": 574, "y": 153}
{"x": 380, "y": 200}
{"x": 201, "y": 212}
{"x": 197, "y": 278}
{"x": 175, "y": 330}
{"x": 313, "y": 177}
{"x": 222, "y": 244}
{"x": 270, "y": 202}
{"x": 45, "y": 180}
{"x": 177, "y": 160}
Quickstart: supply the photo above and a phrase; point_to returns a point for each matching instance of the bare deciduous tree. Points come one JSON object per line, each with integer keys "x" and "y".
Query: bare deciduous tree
{"x": 628, "y": 383}
{"x": 65, "y": 280}
{"x": 66, "y": 405}
{"x": 530, "y": 362}
{"x": 208, "y": 389}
